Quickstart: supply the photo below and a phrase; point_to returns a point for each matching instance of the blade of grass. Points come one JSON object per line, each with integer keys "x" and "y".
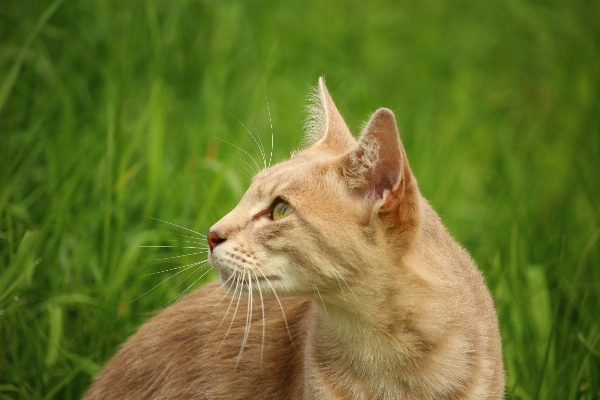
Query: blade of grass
{"x": 11, "y": 78}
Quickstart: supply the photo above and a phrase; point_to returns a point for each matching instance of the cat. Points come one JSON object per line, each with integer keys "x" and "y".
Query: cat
{"x": 342, "y": 284}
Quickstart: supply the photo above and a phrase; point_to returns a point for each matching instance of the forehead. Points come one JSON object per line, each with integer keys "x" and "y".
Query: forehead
{"x": 299, "y": 174}
{"x": 284, "y": 178}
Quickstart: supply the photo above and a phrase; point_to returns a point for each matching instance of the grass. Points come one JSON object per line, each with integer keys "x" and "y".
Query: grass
{"x": 113, "y": 111}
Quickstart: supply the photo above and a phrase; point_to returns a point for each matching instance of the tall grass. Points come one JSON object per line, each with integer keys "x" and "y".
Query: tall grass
{"x": 111, "y": 112}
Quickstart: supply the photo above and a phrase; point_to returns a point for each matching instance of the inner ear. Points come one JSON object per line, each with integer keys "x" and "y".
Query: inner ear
{"x": 374, "y": 167}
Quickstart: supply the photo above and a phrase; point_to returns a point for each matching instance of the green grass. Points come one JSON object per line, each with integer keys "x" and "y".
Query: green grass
{"x": 110, "y": 110}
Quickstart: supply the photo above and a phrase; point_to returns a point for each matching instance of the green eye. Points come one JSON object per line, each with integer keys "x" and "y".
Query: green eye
{"x": 281, "y": 209}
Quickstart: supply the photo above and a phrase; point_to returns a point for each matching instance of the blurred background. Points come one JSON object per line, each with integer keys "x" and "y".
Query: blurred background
{"x": 116, "y": 116}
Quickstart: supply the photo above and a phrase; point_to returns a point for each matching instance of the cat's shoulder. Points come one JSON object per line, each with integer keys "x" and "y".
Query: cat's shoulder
{"x": 218, "y": 336}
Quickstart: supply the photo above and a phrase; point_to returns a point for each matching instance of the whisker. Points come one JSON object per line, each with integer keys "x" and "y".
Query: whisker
{"x": 342, "y": 289}
{"x": 238, "y": 284}
{"x": 202, "y": 265}
{"x": 262, "y": 308}
{"x": 188, "y": 241}
{"x": 280, "y": 306}
{"x": 227, "y": 312}
{"x": 179, "y": 226}
{"x": 180, "y": 283}
{"x": 248, "y": 317}
{"x": 222, "y": 298}
{"x": 260, "y": 149}
{"x": 185, "y": 236}
{"x": 179, "y": 256}
{"x": 177, "y": 247}
{"x": 221, "y": 287}
{"x": 322, "y": 302}
{"x": 228, "y": 308}
{"x": 172, "y": 269}
{"x": 163, "y": 281}
{"x": 188, "y": 288}
{"x": 346, "y": 283}
{"x": 250, "y": 171}
{"x": 258, "y": 136}
{"x": 244, "y": 151}
{"x": 271, "y": 123}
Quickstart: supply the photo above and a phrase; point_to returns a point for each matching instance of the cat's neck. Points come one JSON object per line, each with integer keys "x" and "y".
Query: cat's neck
{"x": 346, "y": 354}
{"x": 383, "y": 339}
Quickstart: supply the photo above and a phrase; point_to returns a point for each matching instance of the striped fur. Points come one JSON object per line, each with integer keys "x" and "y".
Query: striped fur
{"x": 359, "y": 293}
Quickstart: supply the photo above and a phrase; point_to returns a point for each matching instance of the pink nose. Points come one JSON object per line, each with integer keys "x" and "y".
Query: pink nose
{"x": 214, "y": 239}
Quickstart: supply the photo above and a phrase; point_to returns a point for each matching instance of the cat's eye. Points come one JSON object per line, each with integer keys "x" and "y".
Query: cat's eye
{"x": 281, "y": 208}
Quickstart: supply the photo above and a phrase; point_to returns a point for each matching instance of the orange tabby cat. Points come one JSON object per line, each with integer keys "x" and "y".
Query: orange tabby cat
{"x": 343, "y": 284}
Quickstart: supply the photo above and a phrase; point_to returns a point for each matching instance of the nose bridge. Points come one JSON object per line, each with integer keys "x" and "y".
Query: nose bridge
{"x": 218, "y": 233}
{"x": 228, "y": 225}
{"x": 253, "y": 201}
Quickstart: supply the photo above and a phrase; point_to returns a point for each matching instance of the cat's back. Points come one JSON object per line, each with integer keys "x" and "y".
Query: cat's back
{"x": 193, "y": 350}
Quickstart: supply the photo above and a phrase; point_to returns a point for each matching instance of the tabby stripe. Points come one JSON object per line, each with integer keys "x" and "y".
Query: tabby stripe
{"x": 331, "y": 252}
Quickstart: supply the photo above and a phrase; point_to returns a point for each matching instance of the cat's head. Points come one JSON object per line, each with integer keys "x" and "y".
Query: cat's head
{"x": 336, "y": 213}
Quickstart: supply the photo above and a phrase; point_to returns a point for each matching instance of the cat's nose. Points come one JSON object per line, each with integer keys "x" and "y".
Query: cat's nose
{"x": 214, "y": 239}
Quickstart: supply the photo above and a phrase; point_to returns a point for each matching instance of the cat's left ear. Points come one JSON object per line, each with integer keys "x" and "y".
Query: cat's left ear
{"x": 377, "y": 168}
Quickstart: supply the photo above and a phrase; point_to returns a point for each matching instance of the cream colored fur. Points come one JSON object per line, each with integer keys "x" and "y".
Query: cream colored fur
{"x": 359, "y": 293}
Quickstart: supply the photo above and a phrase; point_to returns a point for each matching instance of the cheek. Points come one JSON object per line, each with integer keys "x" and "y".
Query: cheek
{"x": 270, "y": 236}
{"x": 283, "y": 244}
{"x": 273, "y": 233}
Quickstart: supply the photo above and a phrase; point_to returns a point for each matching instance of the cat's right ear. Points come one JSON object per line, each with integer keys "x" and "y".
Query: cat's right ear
{"x": 325, "y": 128}
{"x": 377, "y": 167}
{"x": 377, "y": 174}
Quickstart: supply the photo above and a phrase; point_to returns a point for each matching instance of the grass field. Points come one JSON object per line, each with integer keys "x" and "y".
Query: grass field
{"x": 112, "y": 111}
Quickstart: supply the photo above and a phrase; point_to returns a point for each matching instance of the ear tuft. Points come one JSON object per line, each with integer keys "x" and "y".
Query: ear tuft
{"x": 315, "y": 123}
{"x": 324, "y": 127}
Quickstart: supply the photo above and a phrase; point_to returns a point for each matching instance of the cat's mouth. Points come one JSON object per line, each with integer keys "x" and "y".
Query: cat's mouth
{"x": 235, "y": 278}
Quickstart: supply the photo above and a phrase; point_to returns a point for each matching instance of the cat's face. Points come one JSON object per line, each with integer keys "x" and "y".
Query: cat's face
{"x": 285, "y": 232}
{"x": 314, "y": 224}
